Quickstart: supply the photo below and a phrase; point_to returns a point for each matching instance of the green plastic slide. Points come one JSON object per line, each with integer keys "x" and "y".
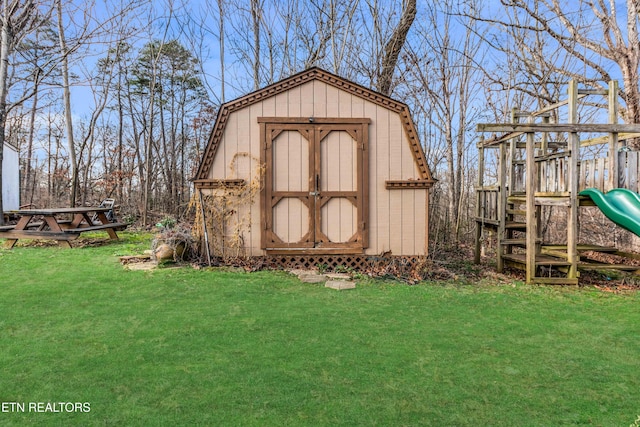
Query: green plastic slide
{"x": 620, "y": 205}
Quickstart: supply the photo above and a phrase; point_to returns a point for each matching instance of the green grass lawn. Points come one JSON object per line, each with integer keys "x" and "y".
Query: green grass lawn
{"x": 196, "y": 347}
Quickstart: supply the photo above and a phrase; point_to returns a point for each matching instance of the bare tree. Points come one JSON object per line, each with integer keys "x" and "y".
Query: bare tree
{"x": 324, "y": 33}
{"x": 66, "y": 99}
{"x": 93, "y": 31}
{"x": 442, "y": 77}
{"x": 33, "y": 65}
{"x": 221, "y": 18}
{"x": 18, "y": 17}
{"x": 256, "y": 19}
{"x": 394, "y": 45}
{"x": 376, "y": 58}
{"x": 599, "y": 41}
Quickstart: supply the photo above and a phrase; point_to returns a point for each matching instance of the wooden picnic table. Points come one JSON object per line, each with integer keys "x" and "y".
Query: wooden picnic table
{"x": 54, "y": 224}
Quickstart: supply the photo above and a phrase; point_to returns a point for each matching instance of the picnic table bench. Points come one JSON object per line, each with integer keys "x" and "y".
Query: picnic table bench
{"x": 49, "y": 224}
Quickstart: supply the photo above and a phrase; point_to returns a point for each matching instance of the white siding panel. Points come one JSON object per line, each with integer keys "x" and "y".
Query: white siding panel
{"x": 10, "y": 179}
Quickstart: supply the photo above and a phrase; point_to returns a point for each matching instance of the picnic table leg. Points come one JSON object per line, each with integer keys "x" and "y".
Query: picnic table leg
{"x": 21, "y": 225}
{"x": 54, "y": 226}
{"x": 103, "y": 218}
{"x": 77, "y": 220}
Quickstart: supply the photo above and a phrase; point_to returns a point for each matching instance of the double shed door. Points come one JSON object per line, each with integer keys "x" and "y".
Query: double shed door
{"x": 315, "y": 191}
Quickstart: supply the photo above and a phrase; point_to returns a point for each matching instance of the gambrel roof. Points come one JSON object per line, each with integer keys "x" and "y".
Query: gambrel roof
{"x": 311, "y": 74}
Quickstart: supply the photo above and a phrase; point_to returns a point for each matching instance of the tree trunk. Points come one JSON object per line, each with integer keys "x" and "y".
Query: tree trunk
{"x": 149, "y": 145}
{"x": 28, "y": 192}
{"x": 632, "y": 100}
{"x": 119, "y": 172}
{"x": 452, "y": 205}
{"x": 394, "y": 46}
{"x": 221, "y": 23}
{"x": 256, "y": 15}
{"x": 5, "y": 40}
{"x": 66, "y": 97}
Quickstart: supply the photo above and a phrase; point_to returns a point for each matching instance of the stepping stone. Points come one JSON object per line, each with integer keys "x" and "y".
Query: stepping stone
{"x": 340, "y": 284}
{"x": 312, "y": 278}
{"x": 339, "y": 276}
{"x": 141, "y": 266}
{"x": 134, "y": 259}
{"x": 301, "y": 272}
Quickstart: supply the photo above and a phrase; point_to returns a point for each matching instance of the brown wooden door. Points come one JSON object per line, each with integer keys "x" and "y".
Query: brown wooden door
{"x": 315, "y": 185}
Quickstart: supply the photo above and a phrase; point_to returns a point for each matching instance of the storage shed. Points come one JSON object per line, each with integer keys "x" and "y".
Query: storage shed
{"x": 10, "y": 178}
{"x": 336, "y": 169}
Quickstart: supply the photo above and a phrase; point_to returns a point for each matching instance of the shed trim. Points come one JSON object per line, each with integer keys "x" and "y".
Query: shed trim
{"x": 301, "y": 78}
{"x": 407, "y": 184}
{"x": 218, "y": 183}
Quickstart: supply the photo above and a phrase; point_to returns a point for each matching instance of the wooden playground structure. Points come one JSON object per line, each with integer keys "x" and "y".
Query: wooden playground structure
{"x": 544, "y": 165}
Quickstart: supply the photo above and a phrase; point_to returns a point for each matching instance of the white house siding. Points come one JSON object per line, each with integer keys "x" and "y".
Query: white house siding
{"x": 10, "y": 179}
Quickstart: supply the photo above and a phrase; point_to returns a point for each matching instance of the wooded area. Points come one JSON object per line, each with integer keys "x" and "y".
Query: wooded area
{"x": 117, "y": 99}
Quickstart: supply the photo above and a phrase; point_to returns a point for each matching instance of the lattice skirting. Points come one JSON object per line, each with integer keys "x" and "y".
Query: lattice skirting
{"x": 362, "y": 263}
{"x": 333, "y": 262}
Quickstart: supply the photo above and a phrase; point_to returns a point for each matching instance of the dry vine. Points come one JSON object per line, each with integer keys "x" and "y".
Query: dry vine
{"x": 227, "y": 213}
